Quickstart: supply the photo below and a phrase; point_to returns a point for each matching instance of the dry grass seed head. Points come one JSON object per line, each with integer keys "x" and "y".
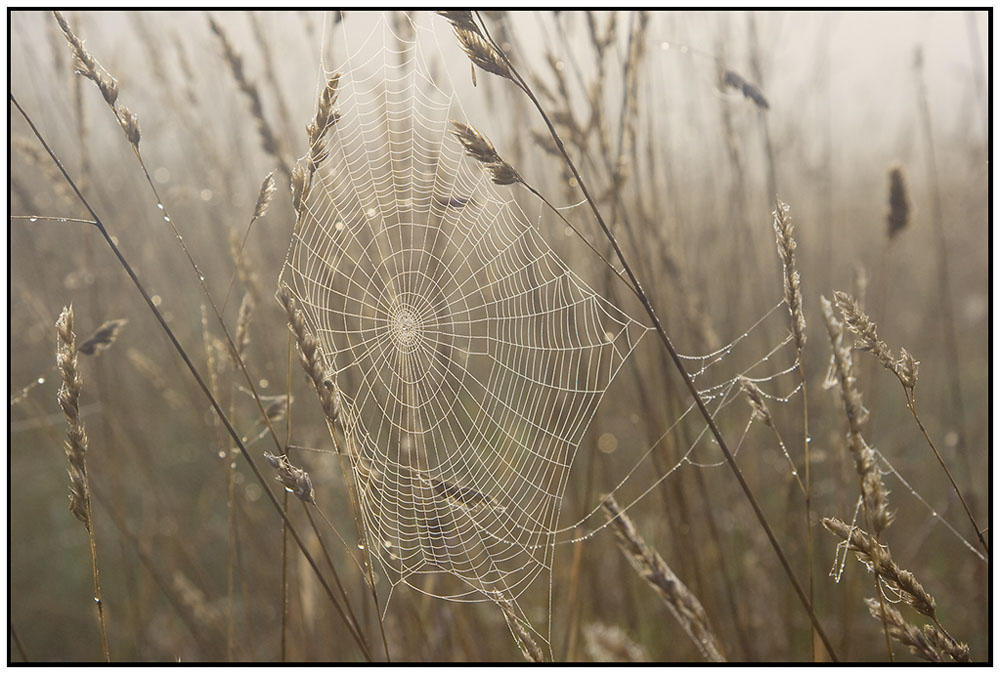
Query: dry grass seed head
{"x": 326, "y": 116}
{"x": 686, "y": 607}
{"x": 748, "y": 89}
{"x": 300, "y": 180}
{"x": 898, "y": 217}
{"x": 296, "y": 480}
{"x": 864, "y": 328}
{"x": 69, "y": 401}
{"x": 269, "y": 140}
{"x": 87, "y": 65}
{"x": 103, "y": 338}
{"x": 756, "y": 399}
{"x": 878, "y": 558}
{"x": 793, "y": 294}
{"x": 130, "y": 125}
{"x": 311, "y": 357}
{"x": 902, "y": 631}
{"x": 525, "y": 642}
{"x": 957, "y": 651}
{"x": 841, "y": 370}
{"x": 481, "y": 149}
{"x": 841, "y": 373}
{"x": 460, "y": 19}
{"x": 609, "y": 643}
{"x": 243, "y": 318}
{"x": 481, "y": 52}
{"x": 476, "y": 144}
{"x": 264, "y": 196}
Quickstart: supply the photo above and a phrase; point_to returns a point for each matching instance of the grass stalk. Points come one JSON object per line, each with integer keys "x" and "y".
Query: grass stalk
{"x": 947, "y": 318}
{"x": 17, "y": 643}
{"x": 683, "y": 604}
{"x": 76, "y": 451}
{"x": 905, "y": 368}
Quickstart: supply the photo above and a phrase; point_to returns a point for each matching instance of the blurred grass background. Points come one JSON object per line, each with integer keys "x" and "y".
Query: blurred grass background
{"x": 844, "y": 103}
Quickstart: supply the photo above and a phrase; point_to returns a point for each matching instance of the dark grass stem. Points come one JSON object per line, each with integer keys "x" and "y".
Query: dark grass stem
{"x": 943, "y": 284}
{"x": 911, "y": 404}
{"x": 806, "y": 442}
{"x": 359, "y": 523}
{"x": 675, "y": 357}
{"x": 17, "y": 643}
{"x": 333, "y": 570}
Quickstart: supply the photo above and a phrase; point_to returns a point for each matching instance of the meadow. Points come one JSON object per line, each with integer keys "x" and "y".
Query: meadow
{"x": 716, "y": 386}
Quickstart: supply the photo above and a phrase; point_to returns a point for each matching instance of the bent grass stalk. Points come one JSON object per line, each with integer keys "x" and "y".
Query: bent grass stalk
{"x": 786, "y": 245}
{"x": 905, "y": 369}
{"x": 648, "y": 563}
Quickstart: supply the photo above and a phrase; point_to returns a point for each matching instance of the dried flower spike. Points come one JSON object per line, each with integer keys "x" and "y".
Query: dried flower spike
{"x": 685, "y": 606}
{"x": 267, "y": 190}
{"x": 101, "y": 340}
{"x": 904, "y": 632}
{"x": 878, "y": 559}
{"x": 87, "y": 65}
{"x": 793, "y": 294}
{"x": 481, "y": 52}
{"x": 243, "y": 318}
{"x": 476, "y": 144}
{"x": 319, "y": 127}
{"x": 525, "y": 642}
{"x": 311, "y": 357}
{"x": 130, "y": 124}
{"x": 756, "y": 399}
{"x": 898, "y": 217}
{"x": 460, "y": 19}
{"x": 301, "y": 177}
{"x": 481, "y": 149}
{"x": 905, "y": 367}
{"x": 296, "y": 480}
{"x": 749, "y": 90}
{"x": 76, "y": 434}
{"x": 876, "y": 496}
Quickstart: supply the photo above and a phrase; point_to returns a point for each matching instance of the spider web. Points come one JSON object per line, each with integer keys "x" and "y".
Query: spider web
{"x": 469, "y": 358}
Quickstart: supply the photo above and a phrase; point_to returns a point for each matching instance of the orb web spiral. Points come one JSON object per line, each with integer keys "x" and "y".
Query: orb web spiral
{"x": 469, "y": 358}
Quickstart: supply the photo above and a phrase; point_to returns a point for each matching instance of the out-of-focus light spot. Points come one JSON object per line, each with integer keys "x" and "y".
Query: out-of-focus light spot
{"x": 607, "y": 443}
